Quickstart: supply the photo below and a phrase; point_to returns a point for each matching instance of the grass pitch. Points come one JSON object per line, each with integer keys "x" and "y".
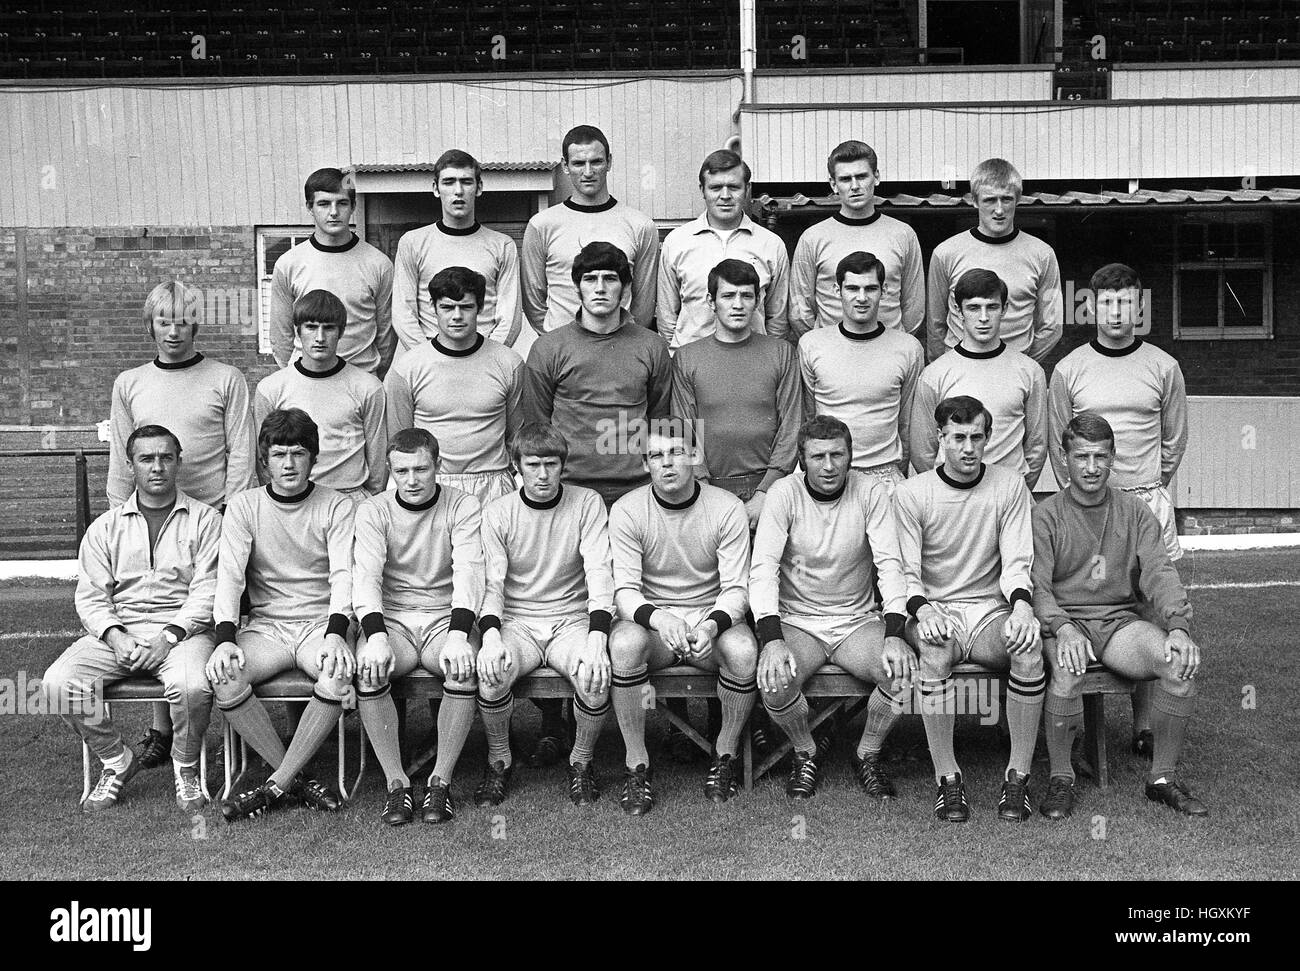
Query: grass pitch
{"x": 1239, "y": 758}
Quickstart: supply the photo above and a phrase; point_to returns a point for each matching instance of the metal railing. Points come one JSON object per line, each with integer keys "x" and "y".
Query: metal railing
{"x": 79, "y": 456}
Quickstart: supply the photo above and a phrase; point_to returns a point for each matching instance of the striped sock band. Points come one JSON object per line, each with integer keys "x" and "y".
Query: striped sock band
{"x": 737, "y": 701}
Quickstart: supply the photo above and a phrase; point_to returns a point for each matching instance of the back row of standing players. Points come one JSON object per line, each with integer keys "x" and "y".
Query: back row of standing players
{"x": 725, "y": 299}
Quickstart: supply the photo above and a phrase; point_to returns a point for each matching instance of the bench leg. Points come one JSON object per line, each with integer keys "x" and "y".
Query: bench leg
{"x": 85, "y": 772}
{"x": 685, "y": 727}
{"x": 1094, "y": 736}
{"x": 203, "y": 769}
{"x": 344, "y": 791}
{"x": 747, "y": 757}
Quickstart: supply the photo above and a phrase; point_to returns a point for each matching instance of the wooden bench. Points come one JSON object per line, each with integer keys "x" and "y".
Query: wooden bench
{"x": 848, "y": 696}
{"x": 290, "y": 686}
{"x": 681, "y": 681}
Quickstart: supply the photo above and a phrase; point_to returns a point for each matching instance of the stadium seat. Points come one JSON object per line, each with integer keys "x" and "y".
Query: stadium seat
{"x": 670, "y": 55}
{"x": 632, "y": 58}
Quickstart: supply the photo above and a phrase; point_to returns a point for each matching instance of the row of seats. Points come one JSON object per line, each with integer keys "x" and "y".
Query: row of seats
{"x": 436, "y": 61}
{"x": 1139, "y": 31}
{"x": 1130, "y": 52}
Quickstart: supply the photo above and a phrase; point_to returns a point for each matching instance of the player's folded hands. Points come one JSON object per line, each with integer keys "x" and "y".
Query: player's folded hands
{"x": 931, "y": 625}
{"x": 900, "y": 663}
{"x": 375, "y": 661}
{"x": 334, "y": 658}
{"x": 1178, "y": 644}
{"x": 1073, "y": 650}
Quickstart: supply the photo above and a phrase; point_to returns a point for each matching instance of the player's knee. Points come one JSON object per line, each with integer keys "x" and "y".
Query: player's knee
{"x": 1065, "y": 683}
{"x": 235, "y": 688}
{"x": 1028, "y": 665}
{"x": 370, "y": 681}
{"x": 333, "y": 687}
{"x": 56, "y": 686}
{"x": 1167, "y": 673}
{"x": 738, "y": 653}
{"x": 629, "y": 646}
{"x": 780, "y": 698}
{"x": 936, "y": 661}
{"x": 494, "y": 692}
{"x": 591, "y": 699}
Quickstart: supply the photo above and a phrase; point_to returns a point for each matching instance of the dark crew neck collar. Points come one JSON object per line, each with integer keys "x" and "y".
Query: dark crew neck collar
{"x": 179, "y": 365}
{"x": 825, "y": 496}
{"x": 869, "y": 335}
{"x": 338, "y": 366}
{"x": 981, "y": 355}
{"x": 684, "y": 504}
{"x": 1115, "y": 351}
{"x": 549, "y": 504}
{"x": 334, "y": 249}
{"x": 605, "y": 206}
{"x": 478, "y": 342}
{"x": 994, "y": 240}
{"x": 453, "y": 231}
{"x": 839, "y": 217}
{"x": 290, "y": 500}
{"x": 421, "y": 507}
{"x": 962, "y": 485}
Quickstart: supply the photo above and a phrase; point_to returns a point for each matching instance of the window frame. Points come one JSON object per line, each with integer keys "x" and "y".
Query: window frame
{"x": 297, "y": 234}
{"x": 1262, "y": 221}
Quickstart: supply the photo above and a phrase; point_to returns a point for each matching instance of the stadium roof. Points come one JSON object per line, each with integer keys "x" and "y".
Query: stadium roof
{"x": 486, "y": 166}
{"x": 1076, "y": 199}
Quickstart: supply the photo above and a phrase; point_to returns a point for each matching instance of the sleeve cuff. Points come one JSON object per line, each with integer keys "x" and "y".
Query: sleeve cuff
{"x": 112, "y": 627}
{"x": 226, "y": 632}
{"x": 895, "y": 624}
{"x": 489, "y": 622}
{"x": 722, "y": 619}
{"x": 338, "y": 625}
{"x": 1020, "y": 593}
{"x": 915, "y": 603}
{"x": 373, "y": 623}
{"x": 180, "y": 632}
{"x": 599, "y": 622}
{"x": 1179, "y": 623}
{"x": 462, "y": 619}
{"x": 643, "y": 614}
{"x": 769, "y": 629}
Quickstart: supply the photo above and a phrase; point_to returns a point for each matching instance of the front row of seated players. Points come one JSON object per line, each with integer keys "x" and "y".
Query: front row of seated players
{"x": 956, "y": 551}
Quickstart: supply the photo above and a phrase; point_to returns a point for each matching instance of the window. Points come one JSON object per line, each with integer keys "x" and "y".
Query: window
{"x": 272, "y": 243}
{"x": 1223, "y": 280}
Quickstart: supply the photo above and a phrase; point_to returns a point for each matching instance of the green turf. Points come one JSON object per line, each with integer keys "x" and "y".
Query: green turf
{"x": 1240, "y": 760}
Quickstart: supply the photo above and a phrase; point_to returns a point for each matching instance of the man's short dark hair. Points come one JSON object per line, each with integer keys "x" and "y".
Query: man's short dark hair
{"x": 457, "y": 283}
{"x": 1090, "y": 427}
{"x": 980, "y": 284}
{"x": 859, "y": 262}
{"x": 583, "y": 135}
{"x": 602, "y": 256}
{"x": 288, "y": 426}
{"x": 454, "y": 158}
{"x": 724, "y": 160}
{"x": 411, "y": 440}
{"x": 539, "y": 438}
{"x": 736, "y": 272}
{"x": 850, "y": 151}
{"x": 320, "y": 307}
{"x": 150, "y": 431}
{"x": 963, "y": 410}
{"x": 824, "y": 428}
{"x": 1115, "y": 276}
{"x": 328, "y": 180}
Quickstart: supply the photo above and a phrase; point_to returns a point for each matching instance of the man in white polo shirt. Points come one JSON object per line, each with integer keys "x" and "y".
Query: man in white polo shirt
{"x": 724, "y": 231}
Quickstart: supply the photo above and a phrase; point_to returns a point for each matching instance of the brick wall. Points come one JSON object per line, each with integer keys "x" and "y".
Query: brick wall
{"x": 76, "y": 323}
{"x": 1207, "y": 522}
